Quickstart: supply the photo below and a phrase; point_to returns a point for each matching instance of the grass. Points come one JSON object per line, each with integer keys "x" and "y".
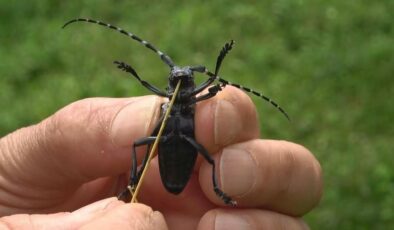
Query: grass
{"x": 330, "y": 64}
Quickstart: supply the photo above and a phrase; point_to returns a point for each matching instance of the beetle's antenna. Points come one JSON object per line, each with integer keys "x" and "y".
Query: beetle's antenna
{"x": 225, "y": 82}
{"x": 164, "y": 57}
{"x": 153, "y": 149}
{"x": 214, "y": 76}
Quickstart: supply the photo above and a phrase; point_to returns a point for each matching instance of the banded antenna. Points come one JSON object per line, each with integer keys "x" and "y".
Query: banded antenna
{"x": 227, "y": 47}
{"x": 225, "y": 82}
{"x": 164, "y": 57}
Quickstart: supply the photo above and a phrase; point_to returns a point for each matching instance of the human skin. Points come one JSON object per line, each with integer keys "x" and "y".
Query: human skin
{"x": 61, "y": 171}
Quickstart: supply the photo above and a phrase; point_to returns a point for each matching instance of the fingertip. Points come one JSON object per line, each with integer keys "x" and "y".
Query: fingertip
{"x": 304, "y": 187}
{"x": 135, "y": 118}
{"x": 129, "y": 216}
{"x": 98, "y": 206}
{"x": 227, "y": 118}
{"x": 207, "y": 221}
{"x": 153, "y": 219}
{"x": 219, "y": 219}
{"x": 276, "y": 175}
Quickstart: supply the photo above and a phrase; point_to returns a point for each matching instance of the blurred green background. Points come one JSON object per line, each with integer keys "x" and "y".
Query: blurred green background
{"x": 330, "y": 64}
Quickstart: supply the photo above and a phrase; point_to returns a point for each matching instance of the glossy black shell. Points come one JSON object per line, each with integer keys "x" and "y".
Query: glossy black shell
{"x": 176, "y": 156}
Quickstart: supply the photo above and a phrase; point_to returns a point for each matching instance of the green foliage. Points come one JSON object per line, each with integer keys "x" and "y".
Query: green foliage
{"x": 330, "y": 64}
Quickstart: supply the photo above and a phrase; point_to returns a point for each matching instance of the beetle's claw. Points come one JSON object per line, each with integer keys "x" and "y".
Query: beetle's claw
{"x": 127, "y": 194}
{"x": 124, "y": 195}
{"x": 227, "y": 200}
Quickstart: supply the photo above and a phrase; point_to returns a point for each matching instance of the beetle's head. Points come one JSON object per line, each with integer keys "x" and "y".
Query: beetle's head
{"x": 177, "y": 73}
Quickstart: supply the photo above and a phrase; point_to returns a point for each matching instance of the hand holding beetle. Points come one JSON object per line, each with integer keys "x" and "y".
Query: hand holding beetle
{"x": 80, "y": 155}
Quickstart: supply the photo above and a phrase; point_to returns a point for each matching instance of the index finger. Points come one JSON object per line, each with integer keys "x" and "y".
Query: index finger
{"x": 229, "y": 117}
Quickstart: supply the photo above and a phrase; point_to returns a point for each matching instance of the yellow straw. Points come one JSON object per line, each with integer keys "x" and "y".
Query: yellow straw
{"x": 163, "y": 124}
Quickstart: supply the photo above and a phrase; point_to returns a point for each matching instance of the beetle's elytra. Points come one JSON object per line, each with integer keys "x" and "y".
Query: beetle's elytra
{"x": 178, "y": 147}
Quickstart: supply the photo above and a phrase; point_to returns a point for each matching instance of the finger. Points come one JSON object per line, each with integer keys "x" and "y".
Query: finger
{"x": 99, "y": 215}
{"x": 96, "y": 207}
{"x": 275, "y": 175}
{"x": 129, "y": 216}
{"x": 229, "y": 117}
{"x": 249, "y": 219}
{"x": 85, "y": 140}
{"x": 59, "y": 220}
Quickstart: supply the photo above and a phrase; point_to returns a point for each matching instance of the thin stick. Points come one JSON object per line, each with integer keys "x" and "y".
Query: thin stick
{"x": 163, "y": 124}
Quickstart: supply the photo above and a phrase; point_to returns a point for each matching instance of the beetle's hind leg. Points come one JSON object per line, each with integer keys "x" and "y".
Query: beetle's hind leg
{"x": 135, "y": 174}
{"x": 207, "y": 156}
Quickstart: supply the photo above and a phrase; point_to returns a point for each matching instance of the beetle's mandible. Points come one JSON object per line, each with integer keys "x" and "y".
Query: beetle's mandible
{"x": 178, "y": 147}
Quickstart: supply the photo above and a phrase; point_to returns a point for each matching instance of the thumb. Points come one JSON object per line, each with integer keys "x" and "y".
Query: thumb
{"x": 83, "y": 141}
{"x": 129, "y": 216}
{"x": 105, "y": 214}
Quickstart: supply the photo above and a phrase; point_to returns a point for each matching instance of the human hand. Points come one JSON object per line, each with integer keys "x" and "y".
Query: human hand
{"x": 80, "y": 154}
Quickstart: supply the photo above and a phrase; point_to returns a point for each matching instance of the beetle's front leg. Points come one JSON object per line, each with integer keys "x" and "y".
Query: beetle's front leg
{"x": 127, "y": 68}
{"x": 212, "y": 91}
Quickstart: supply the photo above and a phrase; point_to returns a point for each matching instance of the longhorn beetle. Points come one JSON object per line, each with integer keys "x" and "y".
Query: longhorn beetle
{"x": 178, "y": 147}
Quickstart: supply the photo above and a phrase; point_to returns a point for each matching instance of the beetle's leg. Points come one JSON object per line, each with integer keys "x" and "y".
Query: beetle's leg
{"x": 134, "y": 175}
{"x": 226, "y": 48}
{"x": 213, "y": 76}
{"x": 212, "y": 91}
{"x": 208, "y": 157}
{"x": 148, "y": 148}
{"x": 127, "y": 68}
{"x": 204, "y": 85}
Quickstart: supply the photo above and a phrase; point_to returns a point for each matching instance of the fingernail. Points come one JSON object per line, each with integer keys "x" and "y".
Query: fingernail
{"x": 133, "y": 120}
{"x": 227, "y": 123}
{"x": 237, "y": 171}
{"x": 224, "y": 221}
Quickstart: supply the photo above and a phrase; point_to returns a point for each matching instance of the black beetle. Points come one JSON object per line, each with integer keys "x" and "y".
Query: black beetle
{"x": 178, "y": 148}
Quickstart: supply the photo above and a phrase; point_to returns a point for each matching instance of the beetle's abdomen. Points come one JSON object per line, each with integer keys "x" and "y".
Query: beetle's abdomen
{"x": 176, "y": 155}
{"x": 177, "y": 158}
